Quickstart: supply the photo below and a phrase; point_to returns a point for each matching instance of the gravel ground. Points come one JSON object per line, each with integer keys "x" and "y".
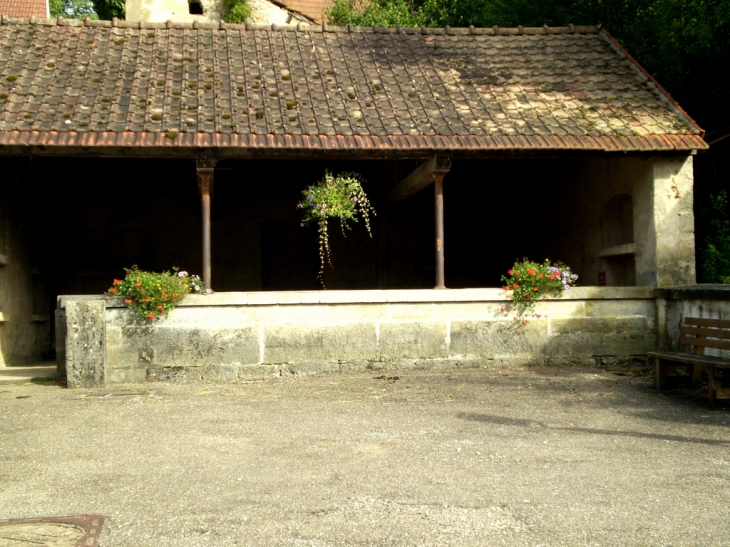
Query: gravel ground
{"x": 496, "y": 456}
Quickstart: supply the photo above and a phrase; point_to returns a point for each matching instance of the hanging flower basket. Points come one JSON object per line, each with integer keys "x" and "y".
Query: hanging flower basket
{"x": 341, "y": 197}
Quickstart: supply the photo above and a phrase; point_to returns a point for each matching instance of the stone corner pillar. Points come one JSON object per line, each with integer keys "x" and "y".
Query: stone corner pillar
{"x": 666, "y": 244}
{"x": 85, "y": 344}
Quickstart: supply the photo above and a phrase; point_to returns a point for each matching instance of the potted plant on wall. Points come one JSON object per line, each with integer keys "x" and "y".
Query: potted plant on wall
{"x": 153, "y": 295}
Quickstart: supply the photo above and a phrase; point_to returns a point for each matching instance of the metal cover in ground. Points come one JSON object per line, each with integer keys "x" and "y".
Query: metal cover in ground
{"x": 79, "y": 531}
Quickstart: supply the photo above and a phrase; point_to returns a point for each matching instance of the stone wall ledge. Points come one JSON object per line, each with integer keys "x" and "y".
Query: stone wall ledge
{"x": 695, "y": 292}
{"x": 283, "y": 298}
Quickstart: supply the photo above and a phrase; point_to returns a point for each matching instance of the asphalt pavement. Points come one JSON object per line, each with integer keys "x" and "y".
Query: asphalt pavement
{"x": 542, "y": 456}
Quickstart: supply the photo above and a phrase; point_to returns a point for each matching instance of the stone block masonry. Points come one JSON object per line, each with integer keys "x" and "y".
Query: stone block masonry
{"x": 228, "y": 336}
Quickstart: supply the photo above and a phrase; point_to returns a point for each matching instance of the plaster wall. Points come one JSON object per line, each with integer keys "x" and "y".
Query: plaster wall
{"x": 24, "y": 335}
{"x": 242, "y": 335}
{"x": 660, "y": 193}
{"x": 159, "y": 11}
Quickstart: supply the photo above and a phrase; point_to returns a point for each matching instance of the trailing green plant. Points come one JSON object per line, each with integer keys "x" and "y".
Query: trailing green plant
{"x": 236, "y": 11}
{"x": 715, "y": 254}
{"x": 153, "y": 295}
{"x": 530, "y": 282}
{"x": 340, "y": 197}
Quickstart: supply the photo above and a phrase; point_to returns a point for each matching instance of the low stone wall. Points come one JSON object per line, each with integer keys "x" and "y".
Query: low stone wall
{"x": 676, "y": 303}
{"x": 262, "y": 334}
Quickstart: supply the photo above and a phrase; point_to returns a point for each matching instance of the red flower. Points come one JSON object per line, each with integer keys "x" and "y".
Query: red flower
{"x": 506, "y": 287}
{"x": 538, "y": 316}
{"x": 117, "y": 282}
{"x": 114, "y": 290}
{"x": 515, "y": 286}
{"x": 174, "y": 295}
{"x": 535, "y": 289}
{"x": 510, "y": 272}
{"x": 138, "y": 284}
{"x": 540, "y": 276}
{"x": 525, "y": 322}
{"x": 151, "y": 315}
{"x": 501, "y": 310}
{"x": 128, "y": 301}
{"x": 164, "y": 295}
{"x": 159, "y": 306}
{"x": 531, "y": 272}
{"x": 147, "y": 299}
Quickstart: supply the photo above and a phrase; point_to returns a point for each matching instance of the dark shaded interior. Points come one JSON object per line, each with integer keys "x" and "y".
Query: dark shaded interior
{"x": 93, "y": 217}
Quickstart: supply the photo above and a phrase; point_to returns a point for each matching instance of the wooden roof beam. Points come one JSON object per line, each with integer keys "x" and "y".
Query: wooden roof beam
{"x": 420, "y": 178}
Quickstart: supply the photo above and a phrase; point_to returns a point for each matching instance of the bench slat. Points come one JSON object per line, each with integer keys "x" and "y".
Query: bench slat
{"x": 705, "y": 342}
{"x": 690, "y": 358}
{"x": 703, "y": 331}
{"x": 716, "y": 323}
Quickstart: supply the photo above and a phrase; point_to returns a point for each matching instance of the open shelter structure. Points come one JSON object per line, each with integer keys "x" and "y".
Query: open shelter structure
{"x": 537, "y": 142}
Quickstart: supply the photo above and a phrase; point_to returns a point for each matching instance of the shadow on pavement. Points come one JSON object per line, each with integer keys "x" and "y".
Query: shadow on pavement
{"x": 501, "y": 420}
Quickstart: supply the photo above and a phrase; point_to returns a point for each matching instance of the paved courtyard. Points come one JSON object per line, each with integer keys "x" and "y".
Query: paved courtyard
{"x": 495, "y": 456}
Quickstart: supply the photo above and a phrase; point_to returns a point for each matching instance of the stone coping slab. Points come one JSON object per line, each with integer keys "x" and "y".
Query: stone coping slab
{"x": 695, "y": 292}
{"x": 269, "y": 298}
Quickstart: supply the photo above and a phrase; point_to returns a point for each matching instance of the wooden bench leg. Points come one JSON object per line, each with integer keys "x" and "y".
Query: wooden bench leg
{"x": 660, "y": 374}
{"x": 696, "y": 373}
{"x": 711, "y": 388}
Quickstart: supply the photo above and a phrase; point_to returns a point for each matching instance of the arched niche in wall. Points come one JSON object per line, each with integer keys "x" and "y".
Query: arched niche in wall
{"x": 617, "y": 265}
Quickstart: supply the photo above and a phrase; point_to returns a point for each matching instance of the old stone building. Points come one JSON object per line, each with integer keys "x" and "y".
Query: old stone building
{"x": 544, "y": 142}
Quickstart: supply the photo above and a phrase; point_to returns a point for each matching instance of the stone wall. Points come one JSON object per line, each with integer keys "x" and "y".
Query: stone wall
{"x": 24, "y": 321}
{"x": 250, "y": 335}
{"x": 657, "y": 192}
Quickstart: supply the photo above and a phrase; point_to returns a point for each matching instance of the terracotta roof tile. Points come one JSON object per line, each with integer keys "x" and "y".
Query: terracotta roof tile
{"x": 24, "y": 8}
{"x": 311, "y": 9}
{"x": 166, "y": 85}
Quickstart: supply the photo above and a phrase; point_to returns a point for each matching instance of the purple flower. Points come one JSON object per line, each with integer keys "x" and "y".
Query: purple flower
{"x": 566, "y": 287}
{"x": 208, "y": 291}
{"x": 299, "y": 205}
{"x": 302, "y": 225}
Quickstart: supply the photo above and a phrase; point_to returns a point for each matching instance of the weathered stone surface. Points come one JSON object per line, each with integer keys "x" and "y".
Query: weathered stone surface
{"x": 477, "y": 339}
{"x": 311, "y": 367}
{"x": 258, "y": 372}
{"x": 600, "y": 325}
{"x": 174, "y": 374}
{"x": 60, "y": 317}
{"x": 160, "y": 345}
{"x": 422, "y": 340}
{"x": 292, "y": 343}
{"x": 85, "y": 344}
{"x": 597, "y": 343}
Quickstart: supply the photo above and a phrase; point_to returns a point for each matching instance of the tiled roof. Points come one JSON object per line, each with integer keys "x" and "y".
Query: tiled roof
{"x": 313, "y": 87}
{"x": 311, "y": 9}
{"x": 24, "y": 8}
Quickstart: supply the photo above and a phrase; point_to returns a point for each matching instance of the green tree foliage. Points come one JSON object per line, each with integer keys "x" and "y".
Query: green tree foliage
{"x": 108, "y": 9}
{"x": 715, "y": 255}
{"x": 235, "y": 11}
{"x": 685, "y": 44}
{"x": 72, "y": 9}
{"x": 383, "y": 13}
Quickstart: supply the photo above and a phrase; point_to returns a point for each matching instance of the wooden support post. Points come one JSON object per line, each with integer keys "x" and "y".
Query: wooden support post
{"x": 442, "y": 166}
{"x": 205, "y": 168}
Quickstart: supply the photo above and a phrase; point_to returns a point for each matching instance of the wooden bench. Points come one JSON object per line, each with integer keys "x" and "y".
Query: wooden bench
{"x": 701, "y": 334}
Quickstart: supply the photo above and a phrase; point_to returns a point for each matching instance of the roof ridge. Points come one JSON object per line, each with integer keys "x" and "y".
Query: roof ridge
{"x": 304, "y": 27}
